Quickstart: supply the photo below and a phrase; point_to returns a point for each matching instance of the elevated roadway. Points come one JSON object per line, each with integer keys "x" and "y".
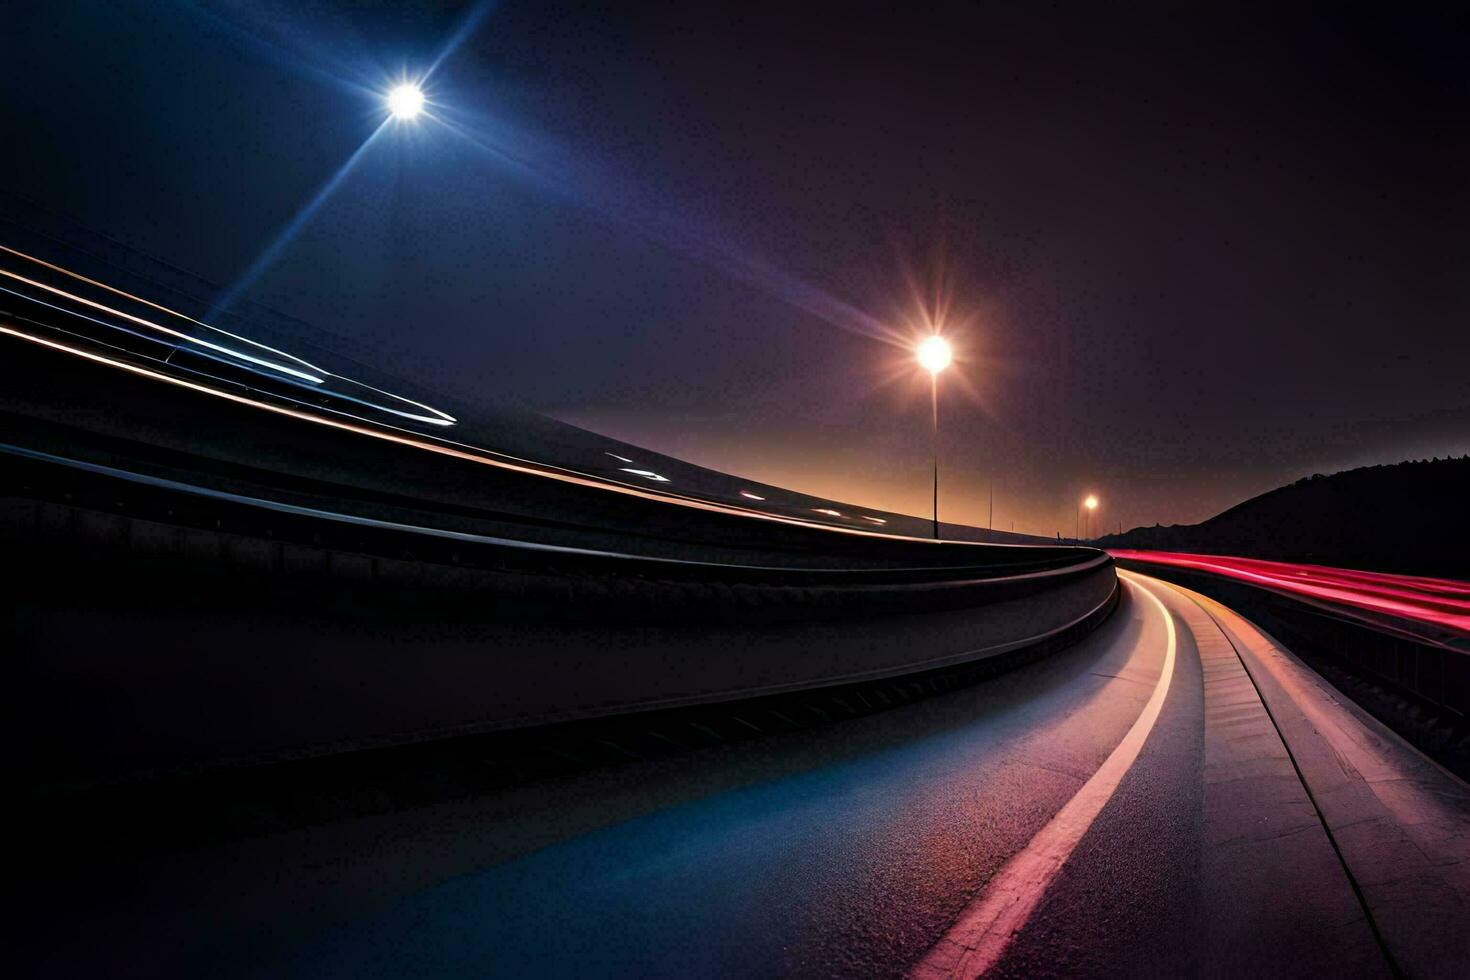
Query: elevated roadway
{"x": 249, "y": 577}
{"x": 237, "y": 554}
{"x": 1174, "y": 795}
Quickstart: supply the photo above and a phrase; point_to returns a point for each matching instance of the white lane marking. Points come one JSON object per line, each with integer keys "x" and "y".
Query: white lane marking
{"x": 977, "y": 940}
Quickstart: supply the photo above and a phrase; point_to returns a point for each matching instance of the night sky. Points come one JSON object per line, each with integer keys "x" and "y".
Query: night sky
{"x": 1184, "y": 256}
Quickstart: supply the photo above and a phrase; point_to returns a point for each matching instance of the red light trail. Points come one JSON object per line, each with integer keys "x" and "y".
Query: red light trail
{"x": 1440, "y": 602}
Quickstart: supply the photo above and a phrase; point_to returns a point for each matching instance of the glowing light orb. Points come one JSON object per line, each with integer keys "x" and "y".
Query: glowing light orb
{"x": 406, "y": 101}
{"x": 1090, "y": 503}
{"x": 934, "y": 354}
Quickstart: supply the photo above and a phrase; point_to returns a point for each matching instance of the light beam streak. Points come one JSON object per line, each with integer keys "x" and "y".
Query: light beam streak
{"x": 163, "y": 309}
{"x": 629, "y": 206}
{"x": 467, "y": 26}
{"x": 283, "y": 238}
{"x": 309, "y": 64}
{"x": 308, "y": 376}
{"x": 162, "y": 329}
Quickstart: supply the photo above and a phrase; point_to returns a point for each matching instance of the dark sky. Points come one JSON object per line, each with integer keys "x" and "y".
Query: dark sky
{"x": 1188, "y": 255}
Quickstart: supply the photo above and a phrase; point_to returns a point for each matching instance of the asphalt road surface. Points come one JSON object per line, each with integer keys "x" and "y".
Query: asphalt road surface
{"x": 1175, "y": 795}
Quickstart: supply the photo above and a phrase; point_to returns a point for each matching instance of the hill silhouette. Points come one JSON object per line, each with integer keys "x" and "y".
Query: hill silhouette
{"x": 1411, "y": 517}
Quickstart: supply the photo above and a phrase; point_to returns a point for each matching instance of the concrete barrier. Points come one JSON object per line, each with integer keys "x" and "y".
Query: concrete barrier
{"x": 156, "y": 632}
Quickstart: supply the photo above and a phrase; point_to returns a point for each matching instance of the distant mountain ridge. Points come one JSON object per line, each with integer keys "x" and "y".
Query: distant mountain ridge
{"x": 1411, "y": 517}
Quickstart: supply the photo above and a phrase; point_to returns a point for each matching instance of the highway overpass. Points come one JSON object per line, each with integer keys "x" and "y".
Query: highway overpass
{"x": 307, "y": 675}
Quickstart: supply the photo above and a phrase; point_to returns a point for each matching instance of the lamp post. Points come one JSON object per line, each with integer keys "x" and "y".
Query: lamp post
{"x": 1090, "y": 505}
{"x": 934, "y": 355}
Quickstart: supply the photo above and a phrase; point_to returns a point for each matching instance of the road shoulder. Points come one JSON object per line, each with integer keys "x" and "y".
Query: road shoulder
{"x": 1274, "y": 896}
{"x": 1401, "y": 822}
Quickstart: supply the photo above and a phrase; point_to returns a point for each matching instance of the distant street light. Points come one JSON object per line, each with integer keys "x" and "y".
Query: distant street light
{"x": 934, "y": 355}
{"x": 405, "y": 101}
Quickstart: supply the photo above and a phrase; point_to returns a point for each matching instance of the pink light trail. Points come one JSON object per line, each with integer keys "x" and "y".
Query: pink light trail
{"x": 1439, "y": 602}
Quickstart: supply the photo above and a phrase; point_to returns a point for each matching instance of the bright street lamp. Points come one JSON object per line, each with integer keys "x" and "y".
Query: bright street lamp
{"x": 934, "y": 355}
{"x": 406, "y": 101}
{"x": 1090, "y": 503}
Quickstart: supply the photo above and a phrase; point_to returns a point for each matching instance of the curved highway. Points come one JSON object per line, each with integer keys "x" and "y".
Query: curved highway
{"x": 1174, "y": 795}
{"x": 242, "y": 565}
{"x": 364, "y": 571}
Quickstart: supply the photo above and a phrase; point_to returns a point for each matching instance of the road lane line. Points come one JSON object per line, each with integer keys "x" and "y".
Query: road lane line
{"x": 976, "y": 942}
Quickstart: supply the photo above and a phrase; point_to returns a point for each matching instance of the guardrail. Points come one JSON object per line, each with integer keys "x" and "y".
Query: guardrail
{"x": 165, "y": 627}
